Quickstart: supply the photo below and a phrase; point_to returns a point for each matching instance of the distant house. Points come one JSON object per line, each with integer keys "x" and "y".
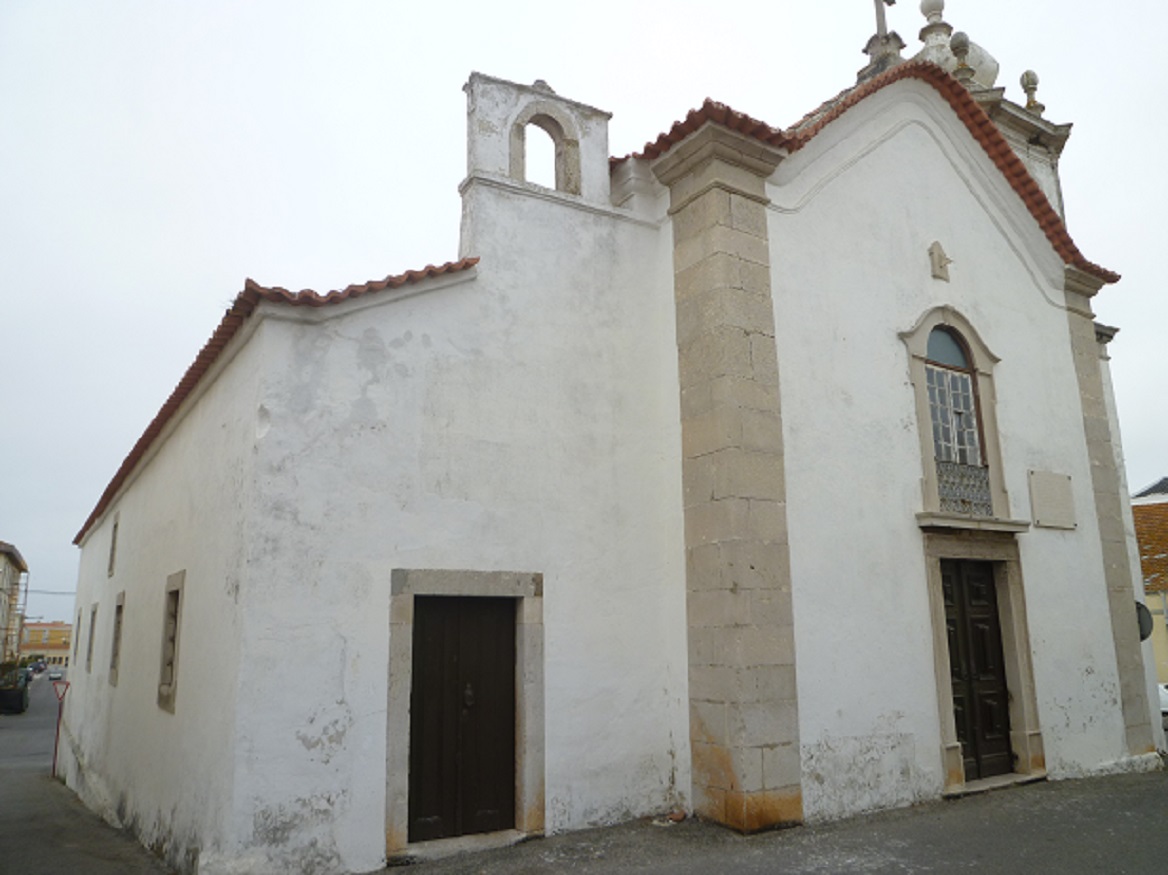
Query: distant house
{"x": 1150, "y": 512}
{"x": 12, "y": 571}
{"x": 52, "y": 641}
{"x": 768, "y": 474}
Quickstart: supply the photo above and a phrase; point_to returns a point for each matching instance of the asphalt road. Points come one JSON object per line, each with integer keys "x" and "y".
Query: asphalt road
{"x": 44, "y": 829}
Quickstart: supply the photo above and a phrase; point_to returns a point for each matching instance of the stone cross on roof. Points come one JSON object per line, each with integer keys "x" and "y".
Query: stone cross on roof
{"x": 883, "y": 49}
{"x": 881, "y": 21}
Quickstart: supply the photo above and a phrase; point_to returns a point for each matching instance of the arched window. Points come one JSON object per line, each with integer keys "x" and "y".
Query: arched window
{"x": 952, "y": 373}
{"x": 963, "y": 483}
{"x": 952, "y": 400}
{"x": 553, "y": 125}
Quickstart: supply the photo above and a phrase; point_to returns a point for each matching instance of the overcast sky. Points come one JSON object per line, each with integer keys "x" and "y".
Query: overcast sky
{"x": 154, "y": 154}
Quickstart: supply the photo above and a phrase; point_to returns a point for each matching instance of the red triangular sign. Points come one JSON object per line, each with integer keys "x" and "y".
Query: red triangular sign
{"x": 60, "y": 688}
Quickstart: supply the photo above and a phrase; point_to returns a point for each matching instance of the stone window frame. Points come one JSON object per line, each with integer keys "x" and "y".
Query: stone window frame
{"x": 562, "y": 129}
{"x": 526, "y": 589}
{"x": 171, "y": 640}
{"x": 982, "y": 362}
{"x": 113, "y": 547}
{"x": 116, "y": 640}
{"x": 92, "y": 636}
{"x": 1001, "y": 550}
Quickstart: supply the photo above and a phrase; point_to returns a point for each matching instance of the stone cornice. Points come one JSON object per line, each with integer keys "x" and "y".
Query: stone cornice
{"x": 936, "y": 520}
{"x": 1081, "y": 282}
{"x": 714, "y": 154}
{"x": 1029, "y": 126}
{"x": 1104, "y": 334}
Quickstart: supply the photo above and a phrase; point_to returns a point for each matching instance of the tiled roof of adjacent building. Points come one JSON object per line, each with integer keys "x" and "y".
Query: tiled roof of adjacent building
{"x": 237, "y": 314}
{"x": 1160, "y": 487}
{"x": 971, "y": 114}
{"x": 10, "y": 551}
{"x": 1152, "y": 535}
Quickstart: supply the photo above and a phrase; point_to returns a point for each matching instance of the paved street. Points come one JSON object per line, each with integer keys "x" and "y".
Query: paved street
{"x": 44, "y": 830}
{"x": 1104, "y": 826}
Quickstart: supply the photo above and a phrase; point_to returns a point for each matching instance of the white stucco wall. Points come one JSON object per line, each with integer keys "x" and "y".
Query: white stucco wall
{"x": 854, "y": 214}
{"x": 168, "y": 776}
{"x": 522, "y": 419}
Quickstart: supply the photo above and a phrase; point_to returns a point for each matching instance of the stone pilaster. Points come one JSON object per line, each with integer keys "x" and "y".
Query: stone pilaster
{"x": 1109, "y": 498}
{"x": 744, "y": 726}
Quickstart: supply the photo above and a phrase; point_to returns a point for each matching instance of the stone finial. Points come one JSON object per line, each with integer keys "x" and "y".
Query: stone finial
{"x": 932, "y": 10}
{"x": 1030, "y": 86}
{"x": 541, "y": 85}
{"x": 935, "y": 34}
{"x": 959, "y": 45}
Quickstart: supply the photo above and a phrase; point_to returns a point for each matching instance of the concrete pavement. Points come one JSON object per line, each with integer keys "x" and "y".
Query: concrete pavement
{"x": 44, "y": 829}
{"x": 1116, "y": 825}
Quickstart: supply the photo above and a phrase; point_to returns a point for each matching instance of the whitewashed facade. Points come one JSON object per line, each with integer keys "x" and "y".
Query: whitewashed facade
{"x": 676, "y": 412}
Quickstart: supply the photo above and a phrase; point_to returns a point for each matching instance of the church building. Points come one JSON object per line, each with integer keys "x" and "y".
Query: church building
{"x": 769, "y": 474}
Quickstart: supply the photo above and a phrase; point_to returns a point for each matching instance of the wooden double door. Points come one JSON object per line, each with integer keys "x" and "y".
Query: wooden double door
{"x": 462, "y": 717}
{"x": 981, "y": 701}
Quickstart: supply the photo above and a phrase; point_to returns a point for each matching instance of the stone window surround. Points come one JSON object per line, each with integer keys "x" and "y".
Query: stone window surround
{"x": 113, "y": 547}
{"x": 983, "y": 361}
{"x": 175, "y": 583}
{"x": 92, "y": 635}
{"x": 116, "y": 640}
{"x": 527, "y": 590}
{"x": 1000, "y": 549}
{"x": 562, "y": 129}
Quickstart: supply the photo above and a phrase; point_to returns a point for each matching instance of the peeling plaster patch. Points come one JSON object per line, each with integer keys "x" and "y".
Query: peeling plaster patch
{"x": 372, "y": 355}
{"x": 298, "y": 837}
{"x": 845, "y": 775}
{"x": 263, "y": 422}
{"x": 363, "y": 413}
{"x": 328, "y": 740}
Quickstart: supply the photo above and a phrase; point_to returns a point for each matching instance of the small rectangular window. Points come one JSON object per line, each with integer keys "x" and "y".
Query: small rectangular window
{"x": 89, "y": 646}
{"x": 171, "y": 624}
{"x": 116, "y": 649}
{"x": 113, "y": 551}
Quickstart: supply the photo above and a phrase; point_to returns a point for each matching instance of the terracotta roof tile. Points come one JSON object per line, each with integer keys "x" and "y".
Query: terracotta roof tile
{"x": 1152, "y": 536}
{"x": 983, "y": 129}
{"x": 709, "y": 111}
{"x": 244, "y": 305}
{"x": 971, "y": 114}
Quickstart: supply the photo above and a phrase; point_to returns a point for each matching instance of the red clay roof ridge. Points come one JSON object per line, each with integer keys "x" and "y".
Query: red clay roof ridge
{"x": 968, "y": 110}
{"x": 710, "y": 110}
{"x": 310, "y": 298}
{"x": 241, "y": 308}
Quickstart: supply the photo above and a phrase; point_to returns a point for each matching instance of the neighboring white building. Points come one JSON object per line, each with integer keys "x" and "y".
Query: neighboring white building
{"x": 767, "y": 474}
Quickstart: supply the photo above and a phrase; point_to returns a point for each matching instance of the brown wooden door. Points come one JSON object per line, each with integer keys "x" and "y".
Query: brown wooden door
{"x": 462, "y": 717}
{"x": 977, "y": 668}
